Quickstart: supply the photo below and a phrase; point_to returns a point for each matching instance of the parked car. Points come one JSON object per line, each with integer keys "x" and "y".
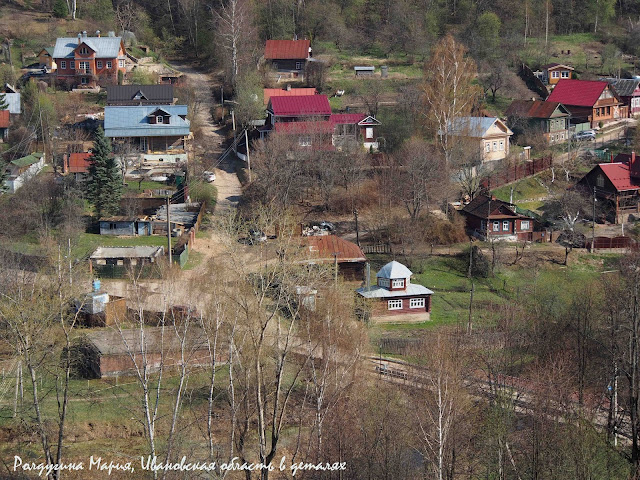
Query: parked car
{"x": 209, "y": 177}
{"x": 256, "y": 236}
{"x": 585, "y": 135}
{"x": 330, "y": 227}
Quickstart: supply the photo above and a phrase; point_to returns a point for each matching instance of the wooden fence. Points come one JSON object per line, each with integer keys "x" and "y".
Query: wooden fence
{"x": 603, "y": 243}
{"x": 517, "y": 171}
{"x": 377, "y": 248}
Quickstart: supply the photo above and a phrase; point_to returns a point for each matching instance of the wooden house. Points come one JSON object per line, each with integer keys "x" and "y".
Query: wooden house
{"x": 490, "y": 218}
{"x": 589, "y": 101}
{"x": 394, "y": 296}
{"x": 123, "y": 225}
{"x": 491, "y": 135}
{"x": 628, "y": 90}
{"x": 616, "y": 185}
{"x": 332, "y": 249}
{"x": 355, "y": 127}
{"x": 76, "y": 164}
{"x": 45, "y": 58}
{"x": 22, "y": 169}
{"x": 140, "y": 95}
{"x": 89, "y": 61}
{"x": 552, "y": 73}
{"x": 288, "y": 57}
{"x": 551, "y": 119}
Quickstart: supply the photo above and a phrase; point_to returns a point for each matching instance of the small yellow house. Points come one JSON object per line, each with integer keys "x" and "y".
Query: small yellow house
{"x": 45, "y": 58}
{"x": 491, "y": 134}
{"x": 554, "y": 72}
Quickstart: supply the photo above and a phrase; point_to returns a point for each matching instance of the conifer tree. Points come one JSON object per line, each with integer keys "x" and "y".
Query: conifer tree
{"x": 104, "y": 187}
{"x": 60, "y": 9}
{"x": 3, "y": 102}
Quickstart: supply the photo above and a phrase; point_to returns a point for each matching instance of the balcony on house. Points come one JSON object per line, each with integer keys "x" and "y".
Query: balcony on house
{"x": 83, "y": 71}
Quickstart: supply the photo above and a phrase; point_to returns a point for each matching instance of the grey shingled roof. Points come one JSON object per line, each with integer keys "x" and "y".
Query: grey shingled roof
{"x": 133, "y": 121}
{"x": 153, "y": 94}
{"x": 105, "y": 47}
{"x": 623, "y": 86}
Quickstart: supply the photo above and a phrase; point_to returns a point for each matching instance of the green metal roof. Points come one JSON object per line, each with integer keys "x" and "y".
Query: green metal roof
{"x": 28, "y": 160}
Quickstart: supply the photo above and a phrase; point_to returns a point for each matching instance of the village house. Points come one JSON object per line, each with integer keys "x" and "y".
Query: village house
{"x": 489, "y": 134}
{"x": 331, "y": 249}
{"x": 5, "y": 123}
{"x": 45, "y": 59}
{"x": 22, "y": 169}
{"x": 112, "y": 352}
{"x": 123, "y": 225}
{"x": 394, "y": 298}
{"x": 288, "y": 57}
{"x": 140, "y": 95}
{"x": 76, "y": 164}
{"x": 616, "y": 185}
{"x": 551, "y": 119}
{"x": 116, "y": 261}
{"x": 589, "y": 102}
{"x": 309, "y": 118}
{"x": 628, "y": 90}
{"x": 554, "y": 72}
{"x": 158, "y": 133}
{"x": 489, "y": 218}
{"x": 89, "y": 61}
{"x": 286, "y": 92}
{"x": 13, "y": 100}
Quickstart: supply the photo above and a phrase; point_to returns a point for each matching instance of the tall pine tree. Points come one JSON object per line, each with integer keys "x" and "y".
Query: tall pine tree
{"x": 3, "y": 102}
{"x": 104, "y": 187}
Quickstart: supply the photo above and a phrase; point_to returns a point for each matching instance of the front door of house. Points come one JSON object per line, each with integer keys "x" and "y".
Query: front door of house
{"x": 143, "y": 144}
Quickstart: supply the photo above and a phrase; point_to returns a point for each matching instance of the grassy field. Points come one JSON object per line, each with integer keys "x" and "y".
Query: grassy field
{"x": 526, "y": 189}
{"x": 88, "y": 242}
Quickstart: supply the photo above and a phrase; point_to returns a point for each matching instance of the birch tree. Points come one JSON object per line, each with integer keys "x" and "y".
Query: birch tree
{"x": 448, "y": 91}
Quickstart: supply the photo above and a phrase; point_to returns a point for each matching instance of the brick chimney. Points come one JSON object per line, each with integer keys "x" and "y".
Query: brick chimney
{"x": 79, "y": 38}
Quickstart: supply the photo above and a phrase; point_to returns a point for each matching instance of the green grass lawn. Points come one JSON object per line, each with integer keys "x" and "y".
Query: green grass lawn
{"x": 195, "y": 259}
{"x": 526, "y": 189}
{"x": 135, "y": 187}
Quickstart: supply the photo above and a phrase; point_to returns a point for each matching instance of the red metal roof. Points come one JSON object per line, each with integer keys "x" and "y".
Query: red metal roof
{"x": 4, "y": 118}
{"x": 79, "y": 162}
{"x": 347, "y": 118}
{"x": 286, "y": 49}
{"x": 294, "y": 92}
{"x": 619, "y": 175}
{"x": 325, "y": 246}
{"x": 582, "y": 93}
{"x": 305, "y": 105}
{"x": 304, "y": 127}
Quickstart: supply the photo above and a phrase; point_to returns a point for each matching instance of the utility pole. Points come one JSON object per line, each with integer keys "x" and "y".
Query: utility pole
{"x": 593, "y": 223}
{"x": 233, "y": 123}
{"x": 246, "y": 141}
{"x": 355, "y": 213}
{"x": 169, "y": 233}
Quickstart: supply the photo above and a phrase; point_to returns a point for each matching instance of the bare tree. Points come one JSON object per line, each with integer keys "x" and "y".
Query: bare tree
{"x": 448, "y": 91}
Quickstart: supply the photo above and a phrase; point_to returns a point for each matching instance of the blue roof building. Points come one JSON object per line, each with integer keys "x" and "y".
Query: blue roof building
{"x": 148, "y": 128}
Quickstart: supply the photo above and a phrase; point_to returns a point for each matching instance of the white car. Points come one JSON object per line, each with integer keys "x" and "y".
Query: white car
{"x": 209, "y": 176}
{"x": 585, "y": 135}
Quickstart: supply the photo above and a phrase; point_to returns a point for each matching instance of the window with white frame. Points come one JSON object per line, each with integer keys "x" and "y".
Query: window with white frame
{"x": 395, "y": 304}
{"x": 502, "y": 145}
{"x": 416, "y": 303}
{"x": 121, "y": 63}
{"x": 505, "y": 226}
{"x": 495, "y": 146}
{"x": 398, "y": 283}
{"x": 487, "y": 147}
{"x": 496, "y": 226}
{"x": 564, "y": 74}
{"x": 524, "y": 225}
{"x": 555, "y": 74}
{"x": 305, "y": 141}
{"x": 63, "y": 64}
{"x": 99, "y": 64}
{"x": 84, "y": 51}
{"x": 159, "y": 119}
{"x": 109, "y": 64}
{"x": 298, "y": 65}
{"x": 369, "y": 133}
{"x": 83, "y": 80}
{"x": 72, "y": 64}
{"x": 383, "y": 282}
{"x": 84, "y": 66}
